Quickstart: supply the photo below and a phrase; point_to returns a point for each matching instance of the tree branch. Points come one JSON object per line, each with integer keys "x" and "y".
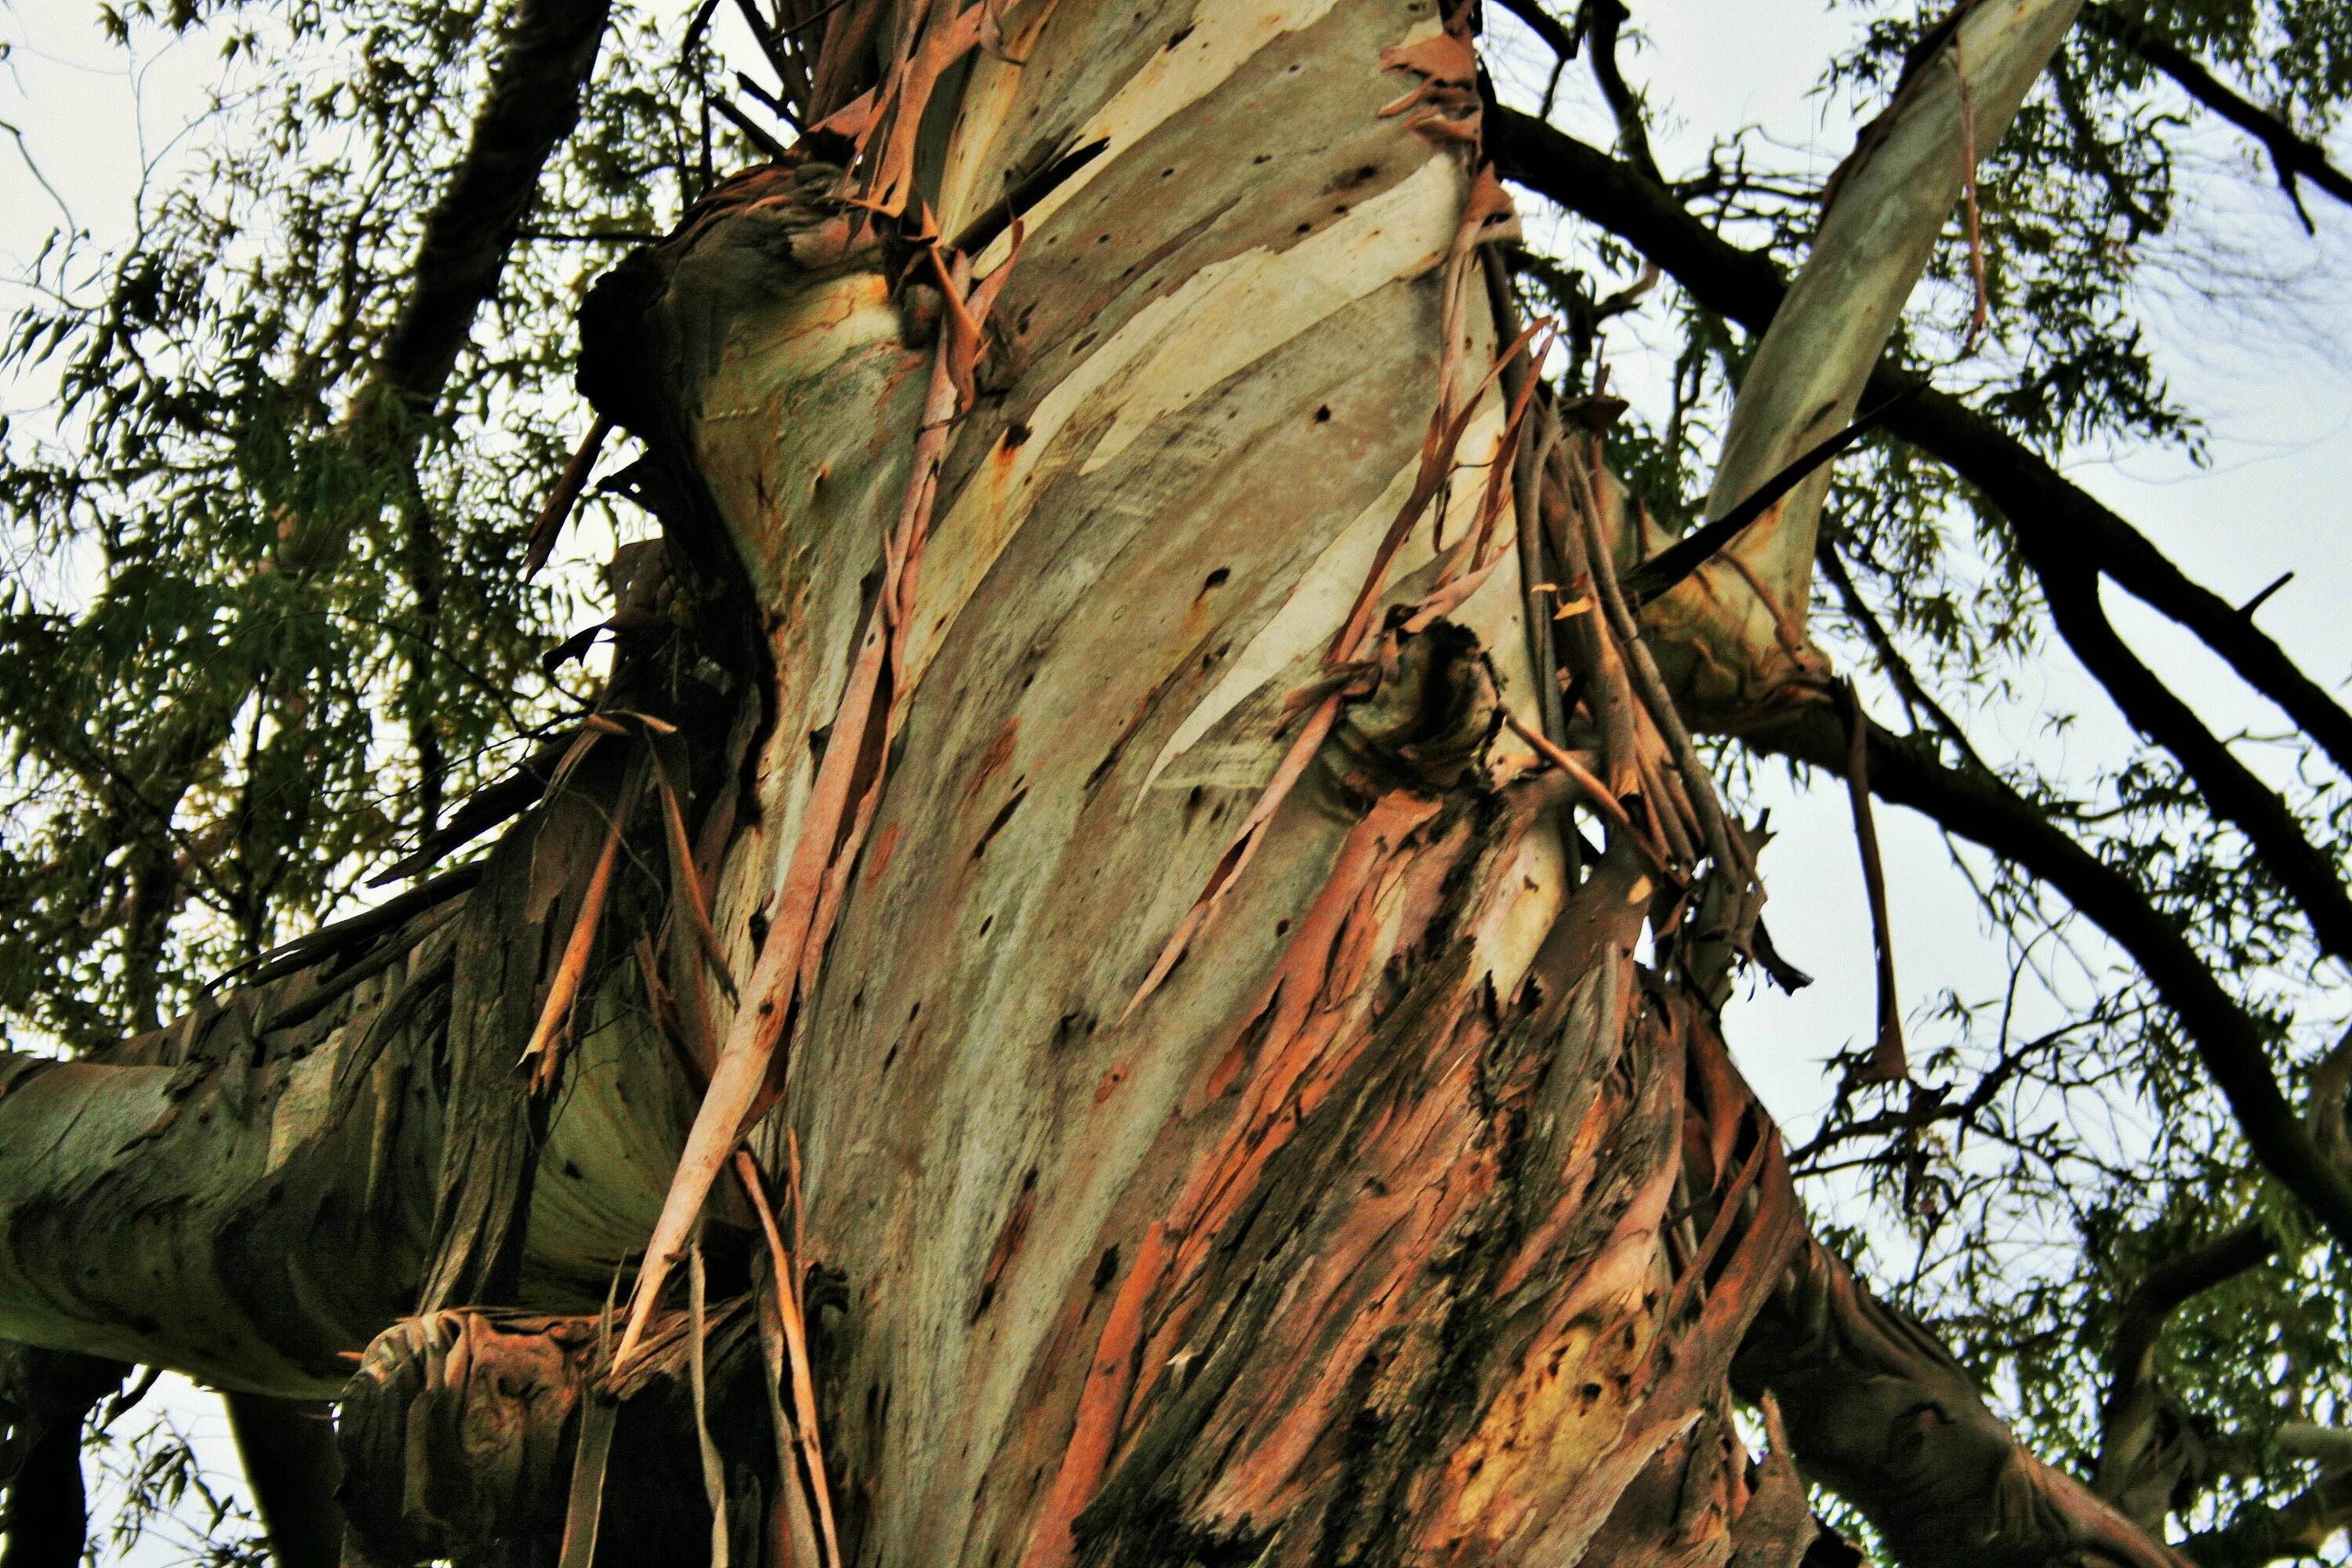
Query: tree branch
{"x": 1603, "y": 19}
{"x": 2069, "y": 571}
{"x": 45, "y": 1397}
{"x": 2140, "y": 1464}
{"x": 2171, "y": 1285}
{"x": 1556, "y": 35}
{"x": 2299, "y": 1527}
{"x": 2294, "y": 156}
{"x": 1879, "y": 1412}
{"x": 2231, "y": 1046}
{"x": 287, "y": 1448}
{"x": 2056, "y": 521}
{"x": 2040, "y": 504}
{"x": 1886, "y": 206}
{"x": 2229, "y": 787}
{"x": 532, "y": 104}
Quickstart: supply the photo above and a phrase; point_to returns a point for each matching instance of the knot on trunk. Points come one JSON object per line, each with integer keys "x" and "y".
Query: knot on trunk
{"x": 1428, "y": 710}
{"x": 458, "y": 1431}
{"x": 651, "y": 329}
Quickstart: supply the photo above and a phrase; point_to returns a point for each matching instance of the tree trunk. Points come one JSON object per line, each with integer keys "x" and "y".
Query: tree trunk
{"x": 1218, "y": 1109}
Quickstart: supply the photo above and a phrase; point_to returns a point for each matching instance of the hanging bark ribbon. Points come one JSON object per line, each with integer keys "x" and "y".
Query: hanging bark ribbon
{"x": 1888, "y": 1062}
{"x": 542, "y": 1056}
{"x": 832, "y": 829}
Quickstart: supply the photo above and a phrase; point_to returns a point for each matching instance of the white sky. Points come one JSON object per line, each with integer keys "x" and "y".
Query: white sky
{"x": 2269, "y": 370}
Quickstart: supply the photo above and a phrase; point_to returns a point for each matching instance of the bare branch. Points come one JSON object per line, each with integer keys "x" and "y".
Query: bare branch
{"x": 2230, "y": 1043}
{"x": 2041, "y": 505}
{"x": 1602, "y": 21}
{"x": 2294, "y": 157}
{"x": 287, "y": 1448}
{"x": 532, "y": 103}
{"x": 1558, "y": 37}
{"x": 1886, "y": 209}
{"x": 2231, "y": 788}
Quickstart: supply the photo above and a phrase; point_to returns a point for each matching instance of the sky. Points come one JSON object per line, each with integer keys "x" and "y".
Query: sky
{"x": 2269, "y": 367}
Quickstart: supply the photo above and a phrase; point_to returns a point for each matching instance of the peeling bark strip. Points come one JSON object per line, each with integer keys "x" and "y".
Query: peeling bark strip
{"x": 1370, "y": 1256}
{"x": 1395, "y": 1216}
{"x": 457, "y": 1431}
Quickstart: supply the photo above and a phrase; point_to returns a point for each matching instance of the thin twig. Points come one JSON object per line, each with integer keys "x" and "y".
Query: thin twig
{"x": 539, "y": 1055}
{"x": 1888, "y": 1063}
{"x": 1602, "y": 21}
{"x": 789, "y": 1306}
{"x": 549, "y": 524}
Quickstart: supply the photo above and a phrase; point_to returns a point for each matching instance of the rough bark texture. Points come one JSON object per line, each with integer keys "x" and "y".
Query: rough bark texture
{"x": 1882, "y": 1414}
{"x": 1204, "y": 1112}
{"x": 1282, "y": 1280}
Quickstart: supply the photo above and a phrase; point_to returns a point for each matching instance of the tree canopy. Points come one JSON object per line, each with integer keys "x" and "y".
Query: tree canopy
{"x": 278, "y": 461}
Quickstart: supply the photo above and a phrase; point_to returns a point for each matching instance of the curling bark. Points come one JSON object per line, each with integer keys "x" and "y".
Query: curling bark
{"x": 1202, "y": 1111}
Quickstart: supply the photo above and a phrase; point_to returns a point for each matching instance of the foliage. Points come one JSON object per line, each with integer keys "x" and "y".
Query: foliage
{"x": 260, "y": 631}
{"x": 169, "y": 1509}
{"x": 263, "y": 625}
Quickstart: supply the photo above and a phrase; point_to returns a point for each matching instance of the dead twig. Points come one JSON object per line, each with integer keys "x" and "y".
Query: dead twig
{"x": 545, "y": 529}
{"x": 1888, "y": 1063}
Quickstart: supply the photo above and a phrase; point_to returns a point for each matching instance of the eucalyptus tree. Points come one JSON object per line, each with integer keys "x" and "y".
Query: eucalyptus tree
{"x": 1127, "y": 965}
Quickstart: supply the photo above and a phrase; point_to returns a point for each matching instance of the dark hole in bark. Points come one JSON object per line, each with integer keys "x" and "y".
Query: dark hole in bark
{"x": 996, "y": 825}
